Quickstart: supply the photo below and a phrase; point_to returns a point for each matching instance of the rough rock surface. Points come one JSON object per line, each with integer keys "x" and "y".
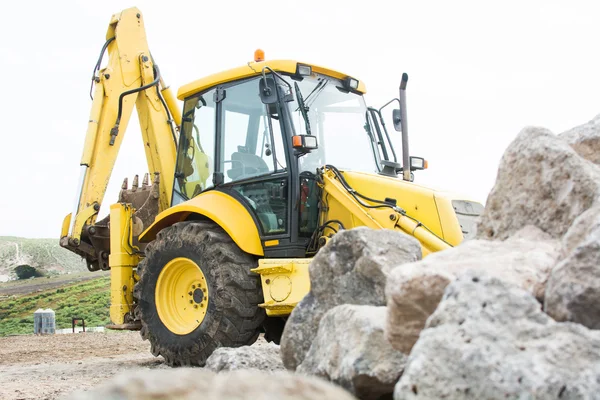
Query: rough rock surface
{"x": 351, "y": 351}
{"x": 488, "y": 339}
{"x": 351, "y": 269}
{"x": 261, "y": 355}
{"x": 573, "y": 289}
{"x": 541, "y": 181}
{"x": 195, "y": 383}
{"x": 415, "y": 290}
{"x": 585, "y": 139}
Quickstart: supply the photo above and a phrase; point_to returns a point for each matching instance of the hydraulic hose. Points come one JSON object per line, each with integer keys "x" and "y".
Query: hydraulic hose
{"x": 99, "y": 63}
{"x": 380, "y": 204}
{"x": 115, "y": 129}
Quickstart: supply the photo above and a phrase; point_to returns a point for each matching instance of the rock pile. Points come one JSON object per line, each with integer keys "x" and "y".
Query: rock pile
{"x": 261, "y": 355}
{"x": 415, "y": 290}
{"x": 195, "y": 383}
{"x": 351, "y": 269}
{"x": 512, "y": 313}
{"x": 488, "y": 339}
{"x": 485, "y": 319}
{"x": 541, "y": 181}
{"x": 350, "y": 350}
{"x": 489, "y": 336}
{"x": 573, "y": 289}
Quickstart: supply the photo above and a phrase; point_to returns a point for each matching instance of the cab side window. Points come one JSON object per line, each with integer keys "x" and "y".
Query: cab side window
{"x": 251, "y": 152}
{"x": 195, "y": 156}
{"x": 247, "y": 150}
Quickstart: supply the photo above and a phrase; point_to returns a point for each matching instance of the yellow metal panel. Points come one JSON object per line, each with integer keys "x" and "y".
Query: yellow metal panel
{"x": 80, "y": 220}
{"x": 223, "y": 209}
{"x": 65, "y": 226}
{"x": 125, "y": 70}
{"x": 285, "y": 282}
{"x": 253, "y": 69}
{"x": 90, "y": 136}
{"x": 122, "y": 259}
{"x": 177, "y": 304}
{"x": 417, "y": 202}
{"x": 452, "y": 232}
{"x": 171, "y": 101}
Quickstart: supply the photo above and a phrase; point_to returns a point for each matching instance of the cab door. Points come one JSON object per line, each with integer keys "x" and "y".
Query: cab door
{"x": 252, "y": 163}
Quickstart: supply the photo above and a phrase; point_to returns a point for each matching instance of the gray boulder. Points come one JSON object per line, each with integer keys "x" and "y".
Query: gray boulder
{"x": 261, "y": 355}
{"x": 585, "y": 139}
{"x": 351, "y": 269}
{"x": 351, "y": 351}
{"x": 488, "y": 339}
{"x": 415, "y": 290}
{"x": 195, "y": 383}
{"x": 573, "y": 289}
{"x": 541, "y": 181}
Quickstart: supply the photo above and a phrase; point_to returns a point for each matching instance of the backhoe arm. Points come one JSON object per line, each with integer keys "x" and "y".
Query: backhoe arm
{"x": 130, "y": 77}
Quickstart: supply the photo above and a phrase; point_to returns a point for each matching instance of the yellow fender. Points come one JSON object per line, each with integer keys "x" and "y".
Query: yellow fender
{"x": 223, "y": 209}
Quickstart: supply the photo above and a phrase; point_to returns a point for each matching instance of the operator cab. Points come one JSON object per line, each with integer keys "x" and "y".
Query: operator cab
{"x": 264, "y": 149}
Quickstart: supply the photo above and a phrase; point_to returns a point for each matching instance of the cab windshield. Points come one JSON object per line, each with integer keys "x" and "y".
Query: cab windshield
{"x": 228, "y": 133}
{"x": 338, "y": 119}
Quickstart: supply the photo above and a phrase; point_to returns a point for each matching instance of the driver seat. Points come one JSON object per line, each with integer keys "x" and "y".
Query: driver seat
{"x": 246, "y": 165}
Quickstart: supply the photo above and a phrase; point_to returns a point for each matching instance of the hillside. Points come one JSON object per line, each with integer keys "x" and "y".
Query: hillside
{"x": 43, "y": 254}
{"x": 89, "y": 300}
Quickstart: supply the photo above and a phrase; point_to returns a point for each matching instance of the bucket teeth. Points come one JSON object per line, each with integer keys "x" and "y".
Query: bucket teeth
{"x": 135, "y": 184}
{"x": 125, "y": 184}
{"x": 145, "y": 180}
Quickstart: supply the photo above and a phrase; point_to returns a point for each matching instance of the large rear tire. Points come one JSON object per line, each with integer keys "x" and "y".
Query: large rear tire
{"x": 196, "y": 293}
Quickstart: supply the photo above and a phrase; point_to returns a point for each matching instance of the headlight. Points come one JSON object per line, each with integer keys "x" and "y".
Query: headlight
{"x": 417, "y": 163}
{"x": 351, "y": 83}
{"x": 304, "y": 142}
{"x": 304, "y": 70}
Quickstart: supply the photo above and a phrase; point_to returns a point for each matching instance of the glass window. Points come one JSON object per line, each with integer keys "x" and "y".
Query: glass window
{"x": 269, "y": 199}
{"x": 249, "y": 148}
{"x": 267, "y": 146}
{"x": 195, "y": 154}
{"x": 338, "y": 120}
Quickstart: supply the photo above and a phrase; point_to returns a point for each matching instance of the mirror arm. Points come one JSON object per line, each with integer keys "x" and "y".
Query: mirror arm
{"x": 264, "y": 74}
{"x": 387, "y": 136}
{"x": 390, "y": 102}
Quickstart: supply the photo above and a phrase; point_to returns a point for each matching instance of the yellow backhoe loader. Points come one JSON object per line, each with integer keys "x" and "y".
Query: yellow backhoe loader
{"x": 260, "y": 168}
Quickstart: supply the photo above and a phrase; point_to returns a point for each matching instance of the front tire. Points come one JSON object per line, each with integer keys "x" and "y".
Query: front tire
{"x": 196, "y": 293}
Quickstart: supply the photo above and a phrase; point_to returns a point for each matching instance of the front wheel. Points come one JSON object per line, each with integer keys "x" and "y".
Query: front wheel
{"x": 196, "y": 293}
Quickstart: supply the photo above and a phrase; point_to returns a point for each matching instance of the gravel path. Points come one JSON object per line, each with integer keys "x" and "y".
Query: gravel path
{"x": 47, "y": 367}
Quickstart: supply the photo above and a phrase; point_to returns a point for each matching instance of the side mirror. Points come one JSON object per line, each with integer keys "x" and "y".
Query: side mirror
{"x": 397, "y": 118}
{"x": 268, "y": 91}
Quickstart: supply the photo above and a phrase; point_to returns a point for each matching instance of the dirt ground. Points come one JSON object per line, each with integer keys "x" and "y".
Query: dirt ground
{"x": 49, "y": 367}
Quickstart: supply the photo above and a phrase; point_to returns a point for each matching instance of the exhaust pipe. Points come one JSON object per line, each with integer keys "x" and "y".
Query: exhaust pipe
{"x": 404, "y": 123}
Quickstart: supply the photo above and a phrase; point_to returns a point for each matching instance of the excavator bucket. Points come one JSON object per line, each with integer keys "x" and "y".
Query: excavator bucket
{"x": 144, "y": 199}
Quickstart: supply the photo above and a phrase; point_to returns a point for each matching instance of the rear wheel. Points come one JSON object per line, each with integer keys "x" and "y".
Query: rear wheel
{"x": 196, "y": 293}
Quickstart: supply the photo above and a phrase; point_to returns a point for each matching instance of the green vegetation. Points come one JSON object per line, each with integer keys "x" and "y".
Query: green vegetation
{"x": 27, "y": 271}
{"x": 89, "y": 300}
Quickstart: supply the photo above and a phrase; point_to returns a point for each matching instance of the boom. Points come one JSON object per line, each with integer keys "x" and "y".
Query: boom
{"x": 130, "y": 77}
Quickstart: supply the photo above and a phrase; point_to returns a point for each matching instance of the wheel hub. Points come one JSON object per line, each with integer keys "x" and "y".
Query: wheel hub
{"x": 181, "y": 296}
{"x": 198, "y": 296}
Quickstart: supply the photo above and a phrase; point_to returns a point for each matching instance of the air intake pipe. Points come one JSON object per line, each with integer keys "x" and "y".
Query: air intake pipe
{"x": 404, "y": 124}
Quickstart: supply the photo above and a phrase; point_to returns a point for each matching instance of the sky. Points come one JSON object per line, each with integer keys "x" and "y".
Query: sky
{"x": 479, "y": 72}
